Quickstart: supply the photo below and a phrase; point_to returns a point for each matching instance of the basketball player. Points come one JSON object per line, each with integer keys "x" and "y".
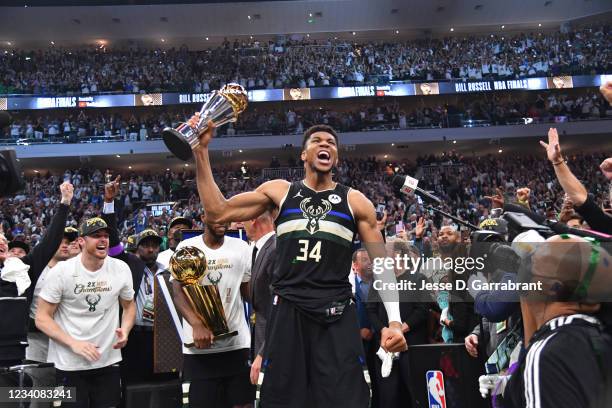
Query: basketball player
{"x": 313, "y": 347}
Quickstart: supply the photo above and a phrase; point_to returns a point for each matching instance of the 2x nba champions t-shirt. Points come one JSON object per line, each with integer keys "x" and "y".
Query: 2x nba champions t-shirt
{"x": 228, "y": 267}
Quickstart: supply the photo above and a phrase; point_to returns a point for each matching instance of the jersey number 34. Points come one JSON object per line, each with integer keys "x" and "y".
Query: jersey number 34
{"x": 306, "y": 252}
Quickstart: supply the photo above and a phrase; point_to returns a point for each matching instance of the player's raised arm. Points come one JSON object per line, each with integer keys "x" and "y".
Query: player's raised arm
{"x": 241, "y": 207}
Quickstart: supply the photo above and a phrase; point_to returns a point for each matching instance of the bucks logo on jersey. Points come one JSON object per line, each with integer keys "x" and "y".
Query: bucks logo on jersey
{"x": 314, "y": 212}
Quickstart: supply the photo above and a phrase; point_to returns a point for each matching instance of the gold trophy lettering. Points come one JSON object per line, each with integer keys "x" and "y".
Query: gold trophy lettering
{"x": 224, "y": 106}
{"x": 188, "y": 266}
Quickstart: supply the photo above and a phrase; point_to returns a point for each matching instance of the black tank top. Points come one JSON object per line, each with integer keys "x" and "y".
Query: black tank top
{"x": 314, "y": 246}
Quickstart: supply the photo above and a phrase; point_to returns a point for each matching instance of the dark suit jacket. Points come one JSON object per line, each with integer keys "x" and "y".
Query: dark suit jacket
{"x": 136, "y": 265}
{"x": 414, "y": 310}
{"x": 259, "y": 289}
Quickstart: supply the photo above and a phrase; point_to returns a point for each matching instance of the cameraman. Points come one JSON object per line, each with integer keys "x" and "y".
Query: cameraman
{"x": 566, "y": 362}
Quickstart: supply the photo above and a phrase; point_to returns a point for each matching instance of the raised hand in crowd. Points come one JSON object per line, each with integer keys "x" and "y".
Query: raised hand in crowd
{"x": 606, "y": 168}
{"x": 497, "y": 200}
{"x": 553, "y": 149}
{"x": 111, "y": 189}
{"x": 67, "y": 191}
{"x": 606, "y": 91}
{"x": 420, "y": 228}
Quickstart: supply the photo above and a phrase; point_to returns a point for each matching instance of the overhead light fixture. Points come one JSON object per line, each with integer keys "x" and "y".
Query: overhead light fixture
{"x": 249, "y": 17}
{"x": 500, "y": 151}
{"x": 206, "y": 38}
{"x": 396, "y": 31}
{"x": 503, "y": 27}
{"x": 354, "y": 33}
{"x": 385, "y": 156}
{"x": 9, "y": 43}
{"x": 454, "y": 142}
{"x": 452, "y": 29}
{"x": 130, "y": 167}
{"x": 539, "y": 24}
{"x": 163, "y": 40}
{"x": 392, "y": 144}
{"x": 251, "y": 37}
{"x": 308, "y": 35}
{"x": 52, "y": 42}
{"x": 186, "y": 164}
{"x": 118, "y": 156}
{"x": 240, "y": 151}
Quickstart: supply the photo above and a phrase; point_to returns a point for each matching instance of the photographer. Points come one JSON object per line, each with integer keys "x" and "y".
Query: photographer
{"x": 566, "y": 362}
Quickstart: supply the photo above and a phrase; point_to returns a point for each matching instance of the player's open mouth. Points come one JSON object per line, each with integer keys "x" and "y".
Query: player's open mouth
{"x": 324, "y": 156}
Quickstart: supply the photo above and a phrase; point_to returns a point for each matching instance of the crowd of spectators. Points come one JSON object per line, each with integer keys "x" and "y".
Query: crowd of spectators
{"x": 305, "y": 63}
{"x": 279, "y": 119}
{"x": 462, "y": 184}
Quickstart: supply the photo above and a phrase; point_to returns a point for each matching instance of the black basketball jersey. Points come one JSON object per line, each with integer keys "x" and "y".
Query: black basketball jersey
{"x": 315, "y": 233}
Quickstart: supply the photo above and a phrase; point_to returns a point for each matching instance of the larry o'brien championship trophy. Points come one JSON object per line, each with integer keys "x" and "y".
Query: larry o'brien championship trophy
{"x": 188, "y": 266}
{"x": 223, "y": 107}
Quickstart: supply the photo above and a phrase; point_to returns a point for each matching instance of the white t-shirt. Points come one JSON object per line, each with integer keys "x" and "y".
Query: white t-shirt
{"x": 164, "y": 258}
{"x": 88, "y": 309}
{"x": 231, "y": 266}
{"x": 38, "y": 343}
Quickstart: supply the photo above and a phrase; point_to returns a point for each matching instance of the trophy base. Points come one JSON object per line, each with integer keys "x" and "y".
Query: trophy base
{"x": 219, "y": 337}
{"x": 177, "y": 144}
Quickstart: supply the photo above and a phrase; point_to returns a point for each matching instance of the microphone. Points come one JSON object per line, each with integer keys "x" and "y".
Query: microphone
{"x": 5, "y": 118}
{"x": 407, "y": 184}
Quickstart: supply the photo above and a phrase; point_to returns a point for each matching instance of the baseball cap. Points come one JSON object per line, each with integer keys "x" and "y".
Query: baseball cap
{"x": 71, "y": 233}
{"x": 131, "y": 243}
{"x": 92, "y": 225}
{"x": 495, "y": 224}
{"x": 180, "y": 220}
{"x": 19, "y": 244}
{"x": 148, "y": 234}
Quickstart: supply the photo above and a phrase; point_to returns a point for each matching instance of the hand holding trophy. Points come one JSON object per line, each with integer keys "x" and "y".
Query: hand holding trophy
{"x": 224, "y": 106}
{"x": 188, "y": 266}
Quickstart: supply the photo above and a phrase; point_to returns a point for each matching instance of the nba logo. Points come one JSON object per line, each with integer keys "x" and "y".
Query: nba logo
{"x": 435, "y": 389}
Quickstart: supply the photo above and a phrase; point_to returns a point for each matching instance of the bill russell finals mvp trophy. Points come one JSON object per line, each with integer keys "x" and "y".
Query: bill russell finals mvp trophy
{"x": 223, "y": 107}
{"x": 188, "y": 266}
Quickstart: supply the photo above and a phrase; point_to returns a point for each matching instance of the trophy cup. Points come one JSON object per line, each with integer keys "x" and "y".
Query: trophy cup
{"x": 223, "y": 106}
{"x": 188, "y": 266}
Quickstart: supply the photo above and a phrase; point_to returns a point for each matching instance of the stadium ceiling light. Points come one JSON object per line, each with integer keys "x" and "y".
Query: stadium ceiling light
{"x": 240, "y": 151}
{"x": 249, "y": 17}
{"x": 539, "y": 24}
{"x": 500, "y": 151}
{"x": 309, "y": 14}
{"x": 503, "y": 26}
{"x": 354, "y": 33}
{"x": 308, "y": 35}
{"x": 186, "y": 164}
{"x": 386, "y": 156}
{"x": 454, "y": 142}
{"x": 52, "y": 42}
{"x": 206, "y": 38}
{"x": 163, "y": 40}
{"x": 9, "y": 43}
{"x": 452, "y": 29}
{"x": 392, "y": 144}
{"x": 118, "y": 156}
{"x": 396, "y": 31}
{"x": 130, "y": 167}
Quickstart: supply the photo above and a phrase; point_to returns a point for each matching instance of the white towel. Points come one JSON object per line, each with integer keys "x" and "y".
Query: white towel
{"x": 16, "y": 271}
{"x": 387, "y": 361}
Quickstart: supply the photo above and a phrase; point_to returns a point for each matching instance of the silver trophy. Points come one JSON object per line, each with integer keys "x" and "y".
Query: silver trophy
{"x": 223, "y": 106}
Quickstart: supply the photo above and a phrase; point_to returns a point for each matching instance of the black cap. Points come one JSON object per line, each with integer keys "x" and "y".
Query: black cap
{"x": 19, "y": 244}
{"x": 148, "y": 234}
{"x": 131, "y": 243}
{"x": 498, "y": 225}
{"x": 92, "y": 225}
{"x": 71, "y": 233}
{"x": 180, "y": 220}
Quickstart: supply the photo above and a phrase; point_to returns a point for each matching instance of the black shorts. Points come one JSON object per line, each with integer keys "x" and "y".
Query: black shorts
{"x": 97, "y": 388}
{"x": 219, "y": 380}
{"x": 311, "y": 364}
